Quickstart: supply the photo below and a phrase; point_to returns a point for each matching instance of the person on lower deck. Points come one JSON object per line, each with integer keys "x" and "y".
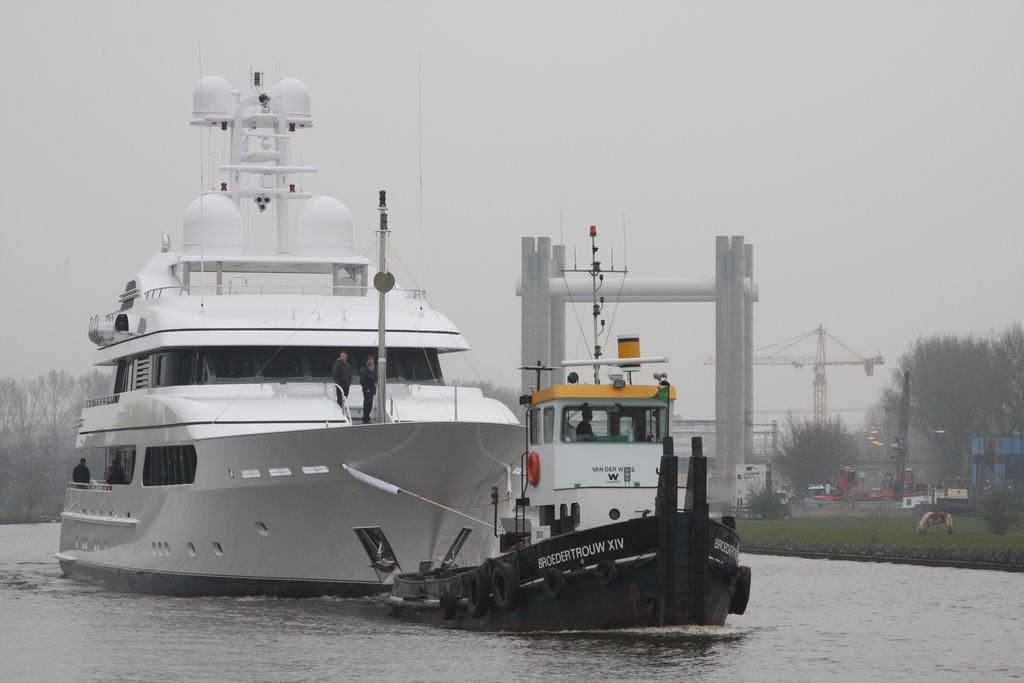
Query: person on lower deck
{"x": 116, "y": 475}
{"x": 342, "y": 375}
{"x": 368, "y": 381}
{"x": 80, "y": 475}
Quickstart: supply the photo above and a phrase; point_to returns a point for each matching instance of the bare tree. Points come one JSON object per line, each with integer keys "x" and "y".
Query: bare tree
{"x": 8, "y": 406}
{"x": 93, "y": 384}
{"x": 811, "y": 452}
{"x": 38, "y": 425}
{"x": 953, "y": 394}
{"x": 1009, "y": 360}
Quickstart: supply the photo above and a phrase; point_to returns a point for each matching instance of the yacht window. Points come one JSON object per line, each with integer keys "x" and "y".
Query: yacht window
{"x": 306, "y": 364}
{"x": 169, "y": 465}
{"x": 283, "y": 363}
{"x": 231, "y": 363}
{"x": 121, "y": 462}
{"x": 173, "y": 368}
{"x": 321, "y": 362}
{"x": 413, "y": 365}
{"x": 122, "y": 380}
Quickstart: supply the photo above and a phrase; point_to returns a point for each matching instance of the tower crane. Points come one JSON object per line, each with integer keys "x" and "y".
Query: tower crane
{"x": 819, "y": 362}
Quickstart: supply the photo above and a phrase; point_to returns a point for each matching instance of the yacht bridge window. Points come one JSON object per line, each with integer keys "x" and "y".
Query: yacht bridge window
{"x": 614, "y": 423}
{"x": 243, "y": 364}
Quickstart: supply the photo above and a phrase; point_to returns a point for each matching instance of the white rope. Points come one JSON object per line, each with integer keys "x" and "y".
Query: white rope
{"x": 395, "y": 490}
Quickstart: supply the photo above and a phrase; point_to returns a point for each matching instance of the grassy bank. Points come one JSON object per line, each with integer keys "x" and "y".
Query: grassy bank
{"x": 18, "y": 517}
{"x": 970, "y": 532}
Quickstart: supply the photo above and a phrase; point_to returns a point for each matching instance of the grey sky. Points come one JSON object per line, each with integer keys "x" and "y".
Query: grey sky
{"x": 873, "y": 153}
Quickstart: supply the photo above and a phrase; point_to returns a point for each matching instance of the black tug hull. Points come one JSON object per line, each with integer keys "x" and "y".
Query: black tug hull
{"x": 677, "y": 567}
{"x": 587, "y": 598}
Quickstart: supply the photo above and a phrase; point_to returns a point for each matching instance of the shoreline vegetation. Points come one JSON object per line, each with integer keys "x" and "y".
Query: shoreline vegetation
{"x": 885, "y": 539}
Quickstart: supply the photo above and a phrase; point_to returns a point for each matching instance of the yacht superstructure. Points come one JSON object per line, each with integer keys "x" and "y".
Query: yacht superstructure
{"x": 223, "y": 433}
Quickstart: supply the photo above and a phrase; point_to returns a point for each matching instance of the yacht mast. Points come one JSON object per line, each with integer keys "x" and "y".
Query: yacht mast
{"x": 383, "y": 282}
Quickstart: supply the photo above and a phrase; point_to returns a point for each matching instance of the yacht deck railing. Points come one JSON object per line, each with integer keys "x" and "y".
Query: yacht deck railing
{"x": 235, "y": 289}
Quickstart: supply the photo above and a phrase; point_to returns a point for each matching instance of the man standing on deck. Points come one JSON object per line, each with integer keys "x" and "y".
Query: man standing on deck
{"x": 81, "y": 473}
{"x": 368, "y": 380}
{"x": 342, "y": 374}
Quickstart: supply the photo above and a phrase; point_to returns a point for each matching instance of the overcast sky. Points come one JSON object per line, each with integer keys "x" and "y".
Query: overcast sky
{"x": 872, "y": 152}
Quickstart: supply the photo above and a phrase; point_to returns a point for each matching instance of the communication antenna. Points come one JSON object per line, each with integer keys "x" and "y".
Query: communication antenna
{"x": 597, "y": 302}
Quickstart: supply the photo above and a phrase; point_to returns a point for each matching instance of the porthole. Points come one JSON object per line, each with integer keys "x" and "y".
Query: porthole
{"x": 614, "y": 513}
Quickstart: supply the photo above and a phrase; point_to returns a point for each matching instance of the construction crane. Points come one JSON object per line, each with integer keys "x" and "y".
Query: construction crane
{"x": 819, "y": 362}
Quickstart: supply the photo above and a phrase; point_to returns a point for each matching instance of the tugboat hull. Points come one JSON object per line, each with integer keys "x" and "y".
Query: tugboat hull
{"x": 609, "y": 593}
{"x": 676, "y": 567}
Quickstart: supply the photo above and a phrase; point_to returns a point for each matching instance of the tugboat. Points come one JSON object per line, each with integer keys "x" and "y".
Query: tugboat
{"x": 597, "y": 539}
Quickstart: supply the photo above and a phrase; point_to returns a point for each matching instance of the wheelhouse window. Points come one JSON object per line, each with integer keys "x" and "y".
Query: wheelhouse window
{"x": 614, "y": 423}
{"x": 169, "y": 465}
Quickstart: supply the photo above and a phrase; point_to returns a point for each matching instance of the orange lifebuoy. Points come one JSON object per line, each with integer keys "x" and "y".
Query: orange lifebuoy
{"x": 533, "y": 468}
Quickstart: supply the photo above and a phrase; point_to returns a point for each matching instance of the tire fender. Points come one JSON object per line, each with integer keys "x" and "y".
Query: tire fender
{"x": 505, "y": 586}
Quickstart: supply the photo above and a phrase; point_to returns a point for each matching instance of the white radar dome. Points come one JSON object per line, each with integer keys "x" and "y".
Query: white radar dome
{"x": 212, "y": 96}
{"x": 213, "y": 224}
{"x": 323, "y": 227}
{"x": 294, "y": 96}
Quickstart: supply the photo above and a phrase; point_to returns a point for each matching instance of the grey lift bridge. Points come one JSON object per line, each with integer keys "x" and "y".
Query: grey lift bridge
{"x": 545, "y": 290}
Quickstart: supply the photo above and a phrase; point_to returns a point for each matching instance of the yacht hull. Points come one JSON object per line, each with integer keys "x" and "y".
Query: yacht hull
{"x": 288, "y": 531}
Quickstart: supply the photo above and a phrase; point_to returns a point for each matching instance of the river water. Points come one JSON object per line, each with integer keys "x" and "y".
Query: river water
{"x": 808, "y": 620}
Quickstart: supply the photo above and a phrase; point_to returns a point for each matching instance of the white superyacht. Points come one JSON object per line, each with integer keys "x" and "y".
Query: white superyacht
{"x": 234, "y": 468}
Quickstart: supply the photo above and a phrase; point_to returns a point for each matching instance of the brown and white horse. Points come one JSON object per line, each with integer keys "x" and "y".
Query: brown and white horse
{"x": 931, "y": 519}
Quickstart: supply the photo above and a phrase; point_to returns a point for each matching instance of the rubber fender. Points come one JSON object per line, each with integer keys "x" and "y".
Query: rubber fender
{"x": 449, "y": 605}
{"x": 554, "y": 582}
{"x": 605, "y": 572}
{"x": 505, "y": 585}
{"x": 478, "y": 591}
{"x": 740, "y": 591}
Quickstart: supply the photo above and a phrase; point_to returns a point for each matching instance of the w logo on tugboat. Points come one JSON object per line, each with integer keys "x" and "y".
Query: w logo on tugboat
{"x": 613, "y": 476}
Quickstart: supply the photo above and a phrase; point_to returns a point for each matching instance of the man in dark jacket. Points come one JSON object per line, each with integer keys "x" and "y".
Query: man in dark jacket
{"x": 81, "y": 473}
{"x": 342, "y": 374}
{"x": 368, "y": 380}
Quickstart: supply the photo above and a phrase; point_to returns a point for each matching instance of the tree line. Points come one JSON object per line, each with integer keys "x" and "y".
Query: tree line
{"x": 38, "y": 426}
